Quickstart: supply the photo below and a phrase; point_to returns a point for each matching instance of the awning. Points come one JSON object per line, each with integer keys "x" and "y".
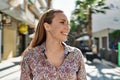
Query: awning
{"x": 83, "y": 38}
{"x": 34, "y": 10}
{"x": 17, "y": 13}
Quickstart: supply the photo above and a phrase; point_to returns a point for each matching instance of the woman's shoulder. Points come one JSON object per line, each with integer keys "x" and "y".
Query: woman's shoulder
{"x": 73, "y": 48}
{"x": 75, "y": 53}
{"x": 30, "y": 52}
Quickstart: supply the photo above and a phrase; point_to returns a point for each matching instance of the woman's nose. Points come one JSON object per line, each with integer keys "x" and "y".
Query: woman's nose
{"x": 67, "y": 26}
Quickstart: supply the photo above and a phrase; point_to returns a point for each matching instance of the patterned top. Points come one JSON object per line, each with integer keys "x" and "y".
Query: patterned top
{"x": 35, "y": 65}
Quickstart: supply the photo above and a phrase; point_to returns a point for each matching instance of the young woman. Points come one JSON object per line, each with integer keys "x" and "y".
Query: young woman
{"x": 48, "y": 57}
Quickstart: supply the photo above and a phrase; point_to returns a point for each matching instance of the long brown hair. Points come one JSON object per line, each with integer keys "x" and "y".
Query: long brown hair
{"x": 40, "y": 33}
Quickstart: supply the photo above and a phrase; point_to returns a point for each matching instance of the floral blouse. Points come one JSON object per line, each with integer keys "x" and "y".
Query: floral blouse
{"x": 35, "y": 65}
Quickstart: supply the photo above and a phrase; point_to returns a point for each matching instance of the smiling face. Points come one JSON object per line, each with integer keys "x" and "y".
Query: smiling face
{"x": 59, "y": 27}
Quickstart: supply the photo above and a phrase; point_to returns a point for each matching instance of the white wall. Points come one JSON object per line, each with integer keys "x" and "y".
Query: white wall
{"x": 103, "y": 33}
{"x": 109, "y": 20}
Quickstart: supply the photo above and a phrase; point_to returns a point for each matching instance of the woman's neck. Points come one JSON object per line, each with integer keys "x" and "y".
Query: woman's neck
{"x": 54, "y": 53}
{"x": 53, "y": 46}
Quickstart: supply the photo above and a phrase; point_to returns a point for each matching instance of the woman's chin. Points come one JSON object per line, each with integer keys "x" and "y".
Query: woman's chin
{"x": 64, "y": 40}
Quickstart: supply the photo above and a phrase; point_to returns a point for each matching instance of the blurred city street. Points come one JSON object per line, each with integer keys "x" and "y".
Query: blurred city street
{"x": 10, "y": 70}
{"x": 94, "y": 28}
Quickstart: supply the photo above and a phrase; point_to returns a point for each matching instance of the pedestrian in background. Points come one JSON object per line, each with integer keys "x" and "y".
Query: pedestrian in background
{"x": 95, "y": 52}
{"x": 48, "y": 57}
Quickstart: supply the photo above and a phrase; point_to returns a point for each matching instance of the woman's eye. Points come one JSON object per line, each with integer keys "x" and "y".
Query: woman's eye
{"x": 62, "y": 22}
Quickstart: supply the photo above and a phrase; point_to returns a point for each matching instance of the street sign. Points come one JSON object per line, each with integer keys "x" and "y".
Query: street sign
{"x": 118, "y": 53}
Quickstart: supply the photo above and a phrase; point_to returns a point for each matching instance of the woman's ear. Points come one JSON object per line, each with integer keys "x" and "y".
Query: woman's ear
{"x": 46, "y": 26}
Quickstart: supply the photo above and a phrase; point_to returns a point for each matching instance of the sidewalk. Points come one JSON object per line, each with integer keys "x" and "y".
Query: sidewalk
{"x": 9, "y": 66}
{"x": 103, "y": 70}
{"x": 110, "y": 64}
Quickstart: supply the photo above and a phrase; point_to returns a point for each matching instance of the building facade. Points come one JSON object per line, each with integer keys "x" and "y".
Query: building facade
{"x": 18, "y": 18}
{"x": 103, "y": 24}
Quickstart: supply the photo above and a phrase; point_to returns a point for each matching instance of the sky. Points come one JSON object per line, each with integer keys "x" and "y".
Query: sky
{"x": 66, "y": 5}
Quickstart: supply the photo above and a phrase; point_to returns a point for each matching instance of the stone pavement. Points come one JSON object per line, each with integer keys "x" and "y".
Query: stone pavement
{"x": 102, "y": 71}
{"x": 8, "y": 67}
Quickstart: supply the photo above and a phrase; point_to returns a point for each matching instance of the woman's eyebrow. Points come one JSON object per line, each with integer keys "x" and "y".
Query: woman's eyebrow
{"x": 63, "y": 19}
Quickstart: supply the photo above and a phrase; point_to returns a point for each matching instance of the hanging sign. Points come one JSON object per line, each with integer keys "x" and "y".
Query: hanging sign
{"x": 23, "y": 28}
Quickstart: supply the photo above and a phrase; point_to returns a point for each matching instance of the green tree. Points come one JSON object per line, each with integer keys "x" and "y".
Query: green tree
{"x": 115, "y": 35}
{"x": 114, "y": 38}
{"x": 81, "y": 19}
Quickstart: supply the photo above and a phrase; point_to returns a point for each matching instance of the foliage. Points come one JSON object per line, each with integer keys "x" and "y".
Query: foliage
{"x": 115, "y": 34}
{"x": 81, "y": 16}
{"x": 114, "y": 38}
